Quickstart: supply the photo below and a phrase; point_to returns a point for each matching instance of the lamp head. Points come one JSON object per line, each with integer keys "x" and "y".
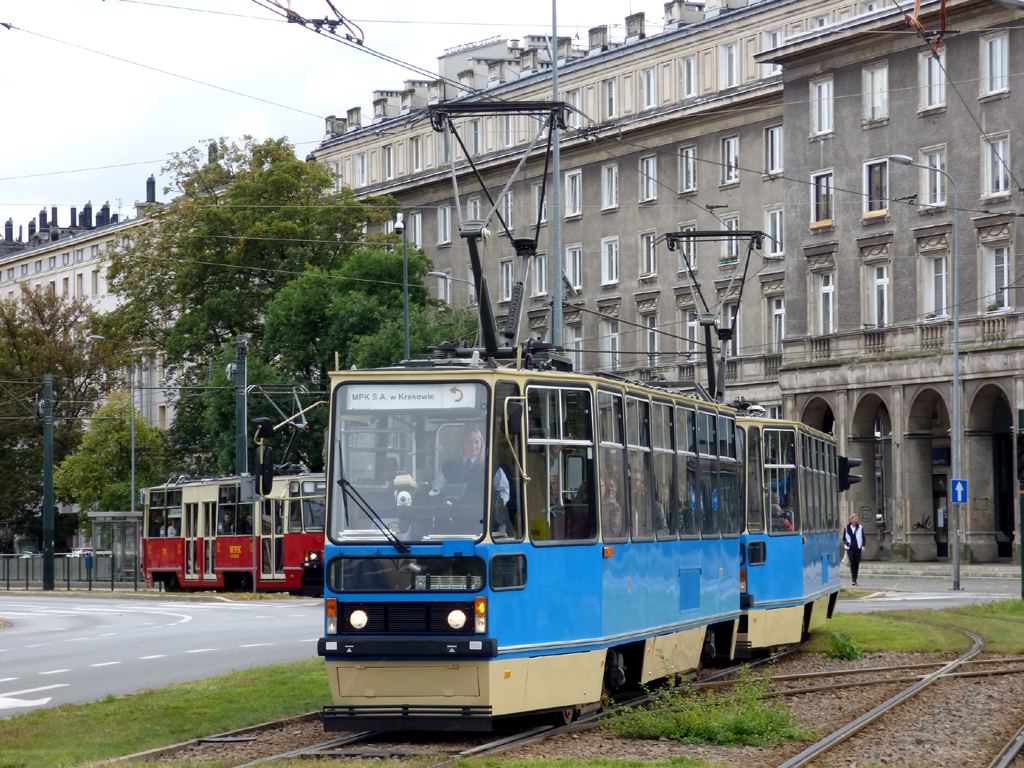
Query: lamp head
{"x": 96, "y": 337}
{"x": 902, "y": 159}
{"x": 399, "y": 223}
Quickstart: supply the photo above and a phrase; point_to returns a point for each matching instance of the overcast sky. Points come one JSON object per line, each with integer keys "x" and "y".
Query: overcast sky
{"x": 95, "y": 94}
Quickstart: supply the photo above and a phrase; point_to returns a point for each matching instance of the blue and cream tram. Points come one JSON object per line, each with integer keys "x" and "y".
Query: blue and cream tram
{"x": 592, "y": 540}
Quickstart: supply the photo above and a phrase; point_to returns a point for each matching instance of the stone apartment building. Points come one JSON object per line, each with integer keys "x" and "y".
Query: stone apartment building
{"x": 778, "y": 116}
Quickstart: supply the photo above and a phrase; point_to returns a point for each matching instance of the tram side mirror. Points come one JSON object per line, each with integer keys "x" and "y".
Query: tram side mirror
{"x": 265, "y": 477}
{"x": 264, "y": 429}
{"x": 513, "y": 418}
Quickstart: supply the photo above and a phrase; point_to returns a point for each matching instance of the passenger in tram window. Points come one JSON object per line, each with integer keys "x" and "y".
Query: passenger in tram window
{"x": 156, "y": 525}
{"x": 226, "y": 528}
{"x": 661, "y": 501}
{"x": 172, "y": 531}
{"x": 614, "y": 520}
{"x": 780, "y": 522}
{"x": 245, "y": 528}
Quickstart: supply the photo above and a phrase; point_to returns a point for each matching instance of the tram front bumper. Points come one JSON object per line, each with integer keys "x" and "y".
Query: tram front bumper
{"x": 438, "y": 647}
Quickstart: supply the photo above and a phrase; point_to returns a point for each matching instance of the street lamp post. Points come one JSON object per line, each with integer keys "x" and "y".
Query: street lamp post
{"x": 446, "y": 276}
{"x": 954, "y": 521}
{"x": 400, "y": 228}
{"x": 131, "y": 393}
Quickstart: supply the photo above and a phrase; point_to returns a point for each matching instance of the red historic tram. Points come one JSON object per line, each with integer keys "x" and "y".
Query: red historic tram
{"x": 200, "y": 534}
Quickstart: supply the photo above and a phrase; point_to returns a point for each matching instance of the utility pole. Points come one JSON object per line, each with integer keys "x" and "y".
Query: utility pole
{"x": 556, "y": 195}
{"x": 48, "y": 521}
{"x": 241, "y": 443}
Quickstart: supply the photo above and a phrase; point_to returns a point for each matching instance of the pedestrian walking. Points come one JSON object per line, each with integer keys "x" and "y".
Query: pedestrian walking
{"x": 853, "y": 539}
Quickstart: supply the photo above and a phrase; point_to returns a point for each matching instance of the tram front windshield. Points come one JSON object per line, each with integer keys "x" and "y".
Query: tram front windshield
{"x": 409, "y": 462}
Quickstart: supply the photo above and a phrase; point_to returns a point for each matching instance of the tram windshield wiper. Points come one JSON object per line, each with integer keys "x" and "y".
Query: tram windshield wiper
{"x": 353, "y": 495}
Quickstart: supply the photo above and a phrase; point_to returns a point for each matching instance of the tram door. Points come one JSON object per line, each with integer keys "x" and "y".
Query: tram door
{"x": 940, "y": 509}
{"x": 209, "y": 529}
{"x": 191, "y": 533}
{"x": 272, "y": 540}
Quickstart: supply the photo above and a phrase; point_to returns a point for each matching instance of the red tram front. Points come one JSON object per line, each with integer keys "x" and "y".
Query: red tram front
{"x": 201, "y": 534}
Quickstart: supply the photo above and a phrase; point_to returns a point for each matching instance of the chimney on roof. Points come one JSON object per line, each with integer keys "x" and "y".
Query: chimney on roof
{"x": 104, "y": 217}
{"x": 86, "y": 217}
{"x": 9, "y": 231}
{"x": 151, "y": 190}
{"x": 599, "y": 38}
{"x": 31, "y": 228}
{"x": 42, "y": 220}
{"x": 113, "y": 218}
{"x": 354, "y": 118}
{"x": 53, "y": 216}
{"x": 635, "y": 27}
{"x": 74, "y": 217}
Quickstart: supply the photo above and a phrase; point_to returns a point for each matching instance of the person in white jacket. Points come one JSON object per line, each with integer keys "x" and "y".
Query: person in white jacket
{"x": 853, "y": 539}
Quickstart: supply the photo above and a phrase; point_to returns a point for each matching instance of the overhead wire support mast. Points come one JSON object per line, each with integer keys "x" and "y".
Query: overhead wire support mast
{"x": 442, "y": 119}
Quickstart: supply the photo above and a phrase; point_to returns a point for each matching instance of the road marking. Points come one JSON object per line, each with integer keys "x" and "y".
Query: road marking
{"x": 7, "y": 679}
{"x": 202, "y": 650}
{"x": 54, "y": 671}
{"x": 158, "y": 656}
{"x": 72, "y": 639}
{"x": 255, "y": 645}
{"x": 37, "y": 645}
{"x": 109, "y": 634}
{"x": 7, "y": 700}
{"x": 105, "y": 664}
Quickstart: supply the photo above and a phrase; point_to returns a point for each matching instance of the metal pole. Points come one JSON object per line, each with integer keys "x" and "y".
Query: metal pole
{"x": 955, "y": 440}
{"x": 132, "y": 384}
{"x": 405, "y": 285}
{"x": 556, "y": 195}
{"x": 48, "y": 521}
{"x": 241, "y": 443}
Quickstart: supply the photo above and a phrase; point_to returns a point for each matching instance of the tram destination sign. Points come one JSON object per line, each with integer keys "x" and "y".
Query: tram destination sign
{"x": 407, "y": 397}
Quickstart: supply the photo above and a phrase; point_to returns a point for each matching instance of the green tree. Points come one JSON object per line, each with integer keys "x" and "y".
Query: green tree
{"x": 247, "y": 219}
{"x": 98, "y": 475}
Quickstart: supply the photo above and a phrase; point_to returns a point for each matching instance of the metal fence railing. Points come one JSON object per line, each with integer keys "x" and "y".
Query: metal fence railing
{"x": 101, "y": 570}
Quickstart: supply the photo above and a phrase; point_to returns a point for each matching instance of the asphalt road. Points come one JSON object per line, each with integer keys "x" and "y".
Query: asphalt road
{"x": 919, "y": 592}
{"x": 59, "y": 650}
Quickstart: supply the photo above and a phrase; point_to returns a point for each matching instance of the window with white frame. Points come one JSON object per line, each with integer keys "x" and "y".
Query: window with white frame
{"x": 473, "y": 208}
{"x": 773, "y": 149}
{"x": 416, "y": 153}
{"x": 728, "y": 65}
{"x": 648, "y": 88}
{"x": 609, "y": 260}
{"x": 773, "y": 219}
{"x": 932, "y": 76}
{"x": 732, "y": 312}
{"x": 387, "y": 161}
{"x": 934, "y": 181}
{"x": 997, "y": 278}
{"x": 822, "y": 21}
{"x": 574, "y": 265}
{"x": 540, "y": 206}
{"x": 610, "y": 90}
{"x": 444, "y": 225}
{"x": 996, "y": 156}
{"x": 730, "y": 160}
{"x": 360, "y": 169}
{"x": 389, "y": 226}
{"x": 870, "y": 6}
{"x": 474, "y": 137}
{"x": 415, "y": 230}
{"x": 688, "y": 77}
{"x": 470, "y": 285}
{"x": 507, "y": 280}
{"x": 730, "y": 244}
{"x": 573, "y": 193}
{"x": 995, "y": 63}
{"x": 876, "y": 92}
{"x": 773, "y": 38}
{"x": 778, "y": 323}
{"x": 611, "y": 343}
{"x": 687, "y": 169}
{"x": 574, "y": 335}
{"x": 876, "y": 186}
{"x": 609, "y": 186}
{"x": 338, "y": 181}
{"x": 444, "y": 148}
{"x": 572, "y": 99}
{"x": 821, "y": 106}
{"x": 444, "y": 287}
{"x": 879, "y": 311}
{"x": 651, "y": 337}
{"x": 648, "y": 254}
{"x": 692, "y": 334}
{"x": 826, "y": 303}
{"x": 687, "y": 247}
{"x": 936, "y": 279}
{"x": 648, "y": 178}
{"x": 508, "y": 130}
{"x": 540, "y": 275}
{"x": 821, "y": 197}
{"x": 508, "y": 209}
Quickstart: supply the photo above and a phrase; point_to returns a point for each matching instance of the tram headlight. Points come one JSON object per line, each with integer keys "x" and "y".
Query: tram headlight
{"x": 357, "y": 619}
{"x": 457, "y": 619}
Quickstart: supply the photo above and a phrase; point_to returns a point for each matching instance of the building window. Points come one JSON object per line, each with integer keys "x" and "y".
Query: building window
{"x": 611, "y": 343}
{"x": 936, "y": 278}
{"x": 651, "y": 334}
{"x": 609, "y": 260}
{"x": 387, "y": 161}
{"x": 444, "y": 225}
{"x": 572, "y": 116}
{"x": 415, "y": 230}
{"x": 731, "y": 160}
{"x": 934, "y": 192}
{"x": 338, "y": 182}
{"x": 688, "y": 169}
{"x": 821, "y": 106}
{"x": 508, "y": 209}
{"x": 773, "y": 150}
{"x": 648, "y": 88}
{"x": 540, "y": 207}
{"x": 648, "y": 178}
{"x": 996, "y": 153}
{"x": 876, "y": 186}
{"x": 470, "y": 286}
{"x": 688, "y": 77}
{"x": 574, "y": 266}
{"x": 773, "y": 219}
{"x": 821, "y": 198}
{"x": 360, "y": 163}
{"x": 880, "y": 295}
{"x": 997, "y": 278}
{"x": 39, "y": 265}
{"x": 444, "y": 287}
{"x": 648, "y": 254}
{"x": 732, "y": 312}
{"x": 933, "y": 78}
{"x": 609, "y": 186}
{"x": 822, "y": 21}
{"x": 507, "y": 279}
{"x": 80, "y": 254}
{"x": 540, "y": 275}
{"x": 610, "y": 88}
{"x": 687, "y": 248}
{"x": 65, "y": 258}
{"x": 573, "y": 193}
{"x": 474, "y": 137}
{"x": 729, "y": 66}
{"x": 995, "y": 63}
{"x": 508, "y": 130}
{"x": 778, "y": 323}
{"x": 826, "y": 304}
{"x": 65, "y": 287}
{"x": 416, "y": 153}
{"x": 692, "y": 334}
{"x": 575, "y": 336}
{"x": 473, "y": 208}
{"x": 876, "y": 92}
{"x": 772, "y": 39}
{"x": 444, "y": 148}
{"x": 731, "y": 244}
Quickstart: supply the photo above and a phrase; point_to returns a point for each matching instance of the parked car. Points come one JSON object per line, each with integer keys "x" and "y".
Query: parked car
{"x": 81, "y": 551}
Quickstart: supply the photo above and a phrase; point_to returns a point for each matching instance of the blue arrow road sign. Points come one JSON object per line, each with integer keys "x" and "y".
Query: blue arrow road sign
{"x": 959, "y": 491}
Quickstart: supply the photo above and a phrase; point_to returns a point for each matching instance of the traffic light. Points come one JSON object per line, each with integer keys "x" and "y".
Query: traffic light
{"x": 847, "y": 478}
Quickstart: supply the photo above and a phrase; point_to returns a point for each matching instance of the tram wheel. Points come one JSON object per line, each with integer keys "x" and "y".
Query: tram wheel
{"x": 244, "y": 583}
{"x": 565, "y": 716}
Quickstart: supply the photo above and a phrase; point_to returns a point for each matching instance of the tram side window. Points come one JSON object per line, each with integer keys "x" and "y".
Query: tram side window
{"x": 728, "y": 482}
{"x": 173, "y": 515}
{"x": 686, "y": 445}
{"x": 666, "y": 524}
{"x": 507, "y": 516}
{"x": 227, "y": 510}
{"x": 155, "y": 521}
{"x": 755, "y": 482}
{"x": 781, "y": 479}
{"x": 610, "y": 435}
{"x": 707, "y": 444}
{"x": 820, "y": 498}
{"x": 641, "y": 491}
